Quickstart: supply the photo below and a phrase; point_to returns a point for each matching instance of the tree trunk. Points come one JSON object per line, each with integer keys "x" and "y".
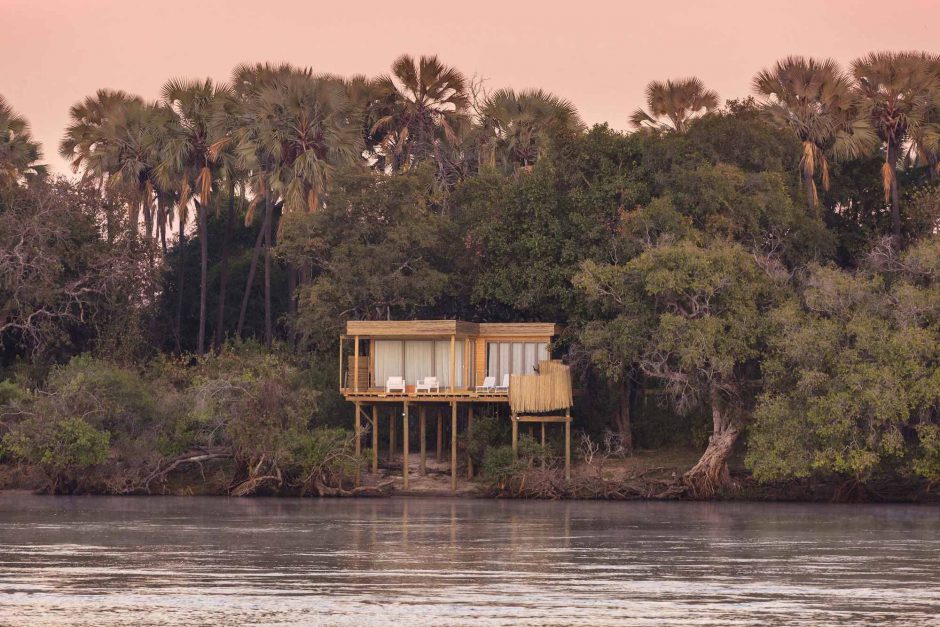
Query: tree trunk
{"x": 809, "y": 187}
{"x": 710, "y": 473}
{"x": 252, "y": 269}
{"x": 202, "y": 211}
{"x": 268, "y": 242}
{"x": 181, "y": 258}
{"x": 223, "y": 275}
{"x": 622, "y": 417}
{"x": 895, "y": 204}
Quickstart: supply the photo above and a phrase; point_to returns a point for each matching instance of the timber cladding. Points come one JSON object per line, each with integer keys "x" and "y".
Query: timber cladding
{"x": 439, "y": 328}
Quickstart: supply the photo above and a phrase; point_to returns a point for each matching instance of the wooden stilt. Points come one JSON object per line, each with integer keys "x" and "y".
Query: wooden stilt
{"x": 515, "y": 433}
{"x": 543, "y": 445}
{"x": 358, "y": 438}
{"x": 421, "y": 433}
{"x": 375, "y": 438}
{"x": 453, "y": 446}
{"x": 404, "y": 445}
{"x": 568, "y": 444}
{"x": 469, "y": 426}
{"x": 440, "y": 434}
{"x": 391, "y": 437}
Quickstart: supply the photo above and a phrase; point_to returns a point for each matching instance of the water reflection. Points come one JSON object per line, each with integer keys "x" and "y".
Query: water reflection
{"x": 186, "y": 561}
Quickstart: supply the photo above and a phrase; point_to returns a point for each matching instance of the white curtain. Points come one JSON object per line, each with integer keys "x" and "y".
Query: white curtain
{"x": 388, "y": 358}
{"x": 531, "y": 351}
{"x": 543, "y": 352}
{"x": 419, "y": 360}
{"x": 442, "y": 362}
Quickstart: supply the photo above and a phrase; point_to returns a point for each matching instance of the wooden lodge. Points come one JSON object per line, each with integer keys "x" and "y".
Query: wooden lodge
{"x": 402, "y": 368}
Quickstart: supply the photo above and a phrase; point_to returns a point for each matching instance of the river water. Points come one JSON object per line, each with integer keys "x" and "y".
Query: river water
{"x": 189, "y": 561}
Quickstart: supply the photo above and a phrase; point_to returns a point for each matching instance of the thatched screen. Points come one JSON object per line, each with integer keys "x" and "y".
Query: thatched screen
{"x": 549, "y": 390}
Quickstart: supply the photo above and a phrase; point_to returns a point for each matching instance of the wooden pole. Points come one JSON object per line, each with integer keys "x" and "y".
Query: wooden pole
{"x": 453, "y": 445}
{"x": 404, "y": 445}
{"x": 515, "y": 434}
{"x": 391, "y": 436}
{"x": 422, "y": 419}
{"x": 358, "y": 439}
{"x": 543, "y": 444}
{"x": 469, "y": 426}
{"x": 341, "y": 386}
{"x": 568, "y": 444}
{"x": 440, "y": 434}
{"x": 375, "y": 438}
{"x": 356, "y": 365}
{"x": 453, "y": 357}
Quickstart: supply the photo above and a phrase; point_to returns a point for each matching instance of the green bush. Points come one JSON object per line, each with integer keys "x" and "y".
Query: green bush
{"x": 62, "y": 448}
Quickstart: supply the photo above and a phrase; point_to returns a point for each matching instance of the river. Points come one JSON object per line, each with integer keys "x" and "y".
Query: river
{"x": 186, "y": 561}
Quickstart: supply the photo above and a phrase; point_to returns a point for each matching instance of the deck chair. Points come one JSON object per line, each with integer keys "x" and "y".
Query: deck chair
{"x": 489, "y": 384}
{"x": 504, "y": 387}
{"x": 428, "y": 384}
{"x": 395, "y": 384}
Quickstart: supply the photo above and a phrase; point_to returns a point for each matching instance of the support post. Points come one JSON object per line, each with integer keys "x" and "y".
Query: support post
{"x": 440, "y": 434}
{"x": 543, "y": 444}
{"x": 515, "y": 433}
{"x": 356, "y": 364}
{"x": 422, "y": 419}
{"x": 358, "y": 439}
{"x": 453, "y": 445}
{"x": 375, "y": 438}
{"x": 391, "y": 437}
{"x": 469, "y": 426}
{"x": 453, "y": 358}
{"x": 341, "y": 386}
{"x": 404, "y": 445}
{"x": 568, "y": 444}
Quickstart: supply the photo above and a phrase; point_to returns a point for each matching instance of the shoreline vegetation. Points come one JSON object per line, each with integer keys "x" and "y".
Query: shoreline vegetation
{"x": 749, "y": 291}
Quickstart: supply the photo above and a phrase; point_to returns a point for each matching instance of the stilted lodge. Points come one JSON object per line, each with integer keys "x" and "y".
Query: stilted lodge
{"x": 392, "y": 369}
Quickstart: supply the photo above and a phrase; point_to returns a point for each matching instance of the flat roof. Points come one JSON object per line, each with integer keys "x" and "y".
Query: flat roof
{"x": 437, "y": 328}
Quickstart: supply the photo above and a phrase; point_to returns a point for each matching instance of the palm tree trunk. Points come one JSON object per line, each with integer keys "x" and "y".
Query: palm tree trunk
{"x": 181, "y": 247}
{"x": 252, "y": 269}
{"x": 808, "y": 186}
{"x": 268, "y": 330}
{"x": 891, "y": 155}
{"x": 223, "y": 275}
{"x": 202, "y": 211}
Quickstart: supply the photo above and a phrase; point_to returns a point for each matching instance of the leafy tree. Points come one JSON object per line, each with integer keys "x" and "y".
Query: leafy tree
{"x": 852, "y": 385}
{"x": 815, "y": 101}
{"x": 899, "y": 91}
{"x": 678, "y": 101}
{"x": 19, "y": 153}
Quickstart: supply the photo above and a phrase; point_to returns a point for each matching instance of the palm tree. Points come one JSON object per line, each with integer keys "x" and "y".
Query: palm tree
{"x": 524, "y": 123}
{"x": 116, "y": 139}
{"x": 678, "y": 101}
{"x": 815, "y": 101}
{"x": 18, "y": 152}
{"x": 421, "y": 104}
{"x": 898, "y": 91}
{"x": 190, "y": 164}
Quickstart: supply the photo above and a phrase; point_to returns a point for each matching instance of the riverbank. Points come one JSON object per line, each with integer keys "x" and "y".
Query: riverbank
{"x": 645, "y": 475}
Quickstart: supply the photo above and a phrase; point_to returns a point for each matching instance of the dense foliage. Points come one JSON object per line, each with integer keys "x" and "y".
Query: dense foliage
{"x": 770, "y": 263}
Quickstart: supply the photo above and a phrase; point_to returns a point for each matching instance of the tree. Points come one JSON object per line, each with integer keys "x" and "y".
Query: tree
{"x": 898, "y": 91}
{"x": 678, "y": 101}
{"x": 523, "y": 124}
{"x": 18, "y": 152}
{"x": 693, "y": 318}
{"x": 851, "y": 374}
{"x": 189, "y": 163}
{"x": 422, "y": 103}
{"x": 815, "y": 101}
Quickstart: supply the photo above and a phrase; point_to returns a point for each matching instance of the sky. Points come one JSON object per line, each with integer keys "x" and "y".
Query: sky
{"x": 599, "y": 55}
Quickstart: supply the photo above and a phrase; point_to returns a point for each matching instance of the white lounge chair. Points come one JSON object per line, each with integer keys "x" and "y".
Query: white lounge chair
{"x": 428, "y": 384}
{"x": 505, "y": 385}
{"x": 489, "y": 385}
{"x": 395, "y": 384}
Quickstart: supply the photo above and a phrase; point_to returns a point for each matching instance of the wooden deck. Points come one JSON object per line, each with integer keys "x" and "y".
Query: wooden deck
{"x": 379, "y": 395}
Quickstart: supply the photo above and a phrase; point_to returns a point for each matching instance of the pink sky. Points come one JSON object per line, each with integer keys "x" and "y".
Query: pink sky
{"x": 599, "y": 55}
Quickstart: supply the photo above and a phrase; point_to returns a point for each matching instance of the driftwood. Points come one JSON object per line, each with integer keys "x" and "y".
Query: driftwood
{"x": 379, "y": 489}
{"x": 190, "y": 457}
